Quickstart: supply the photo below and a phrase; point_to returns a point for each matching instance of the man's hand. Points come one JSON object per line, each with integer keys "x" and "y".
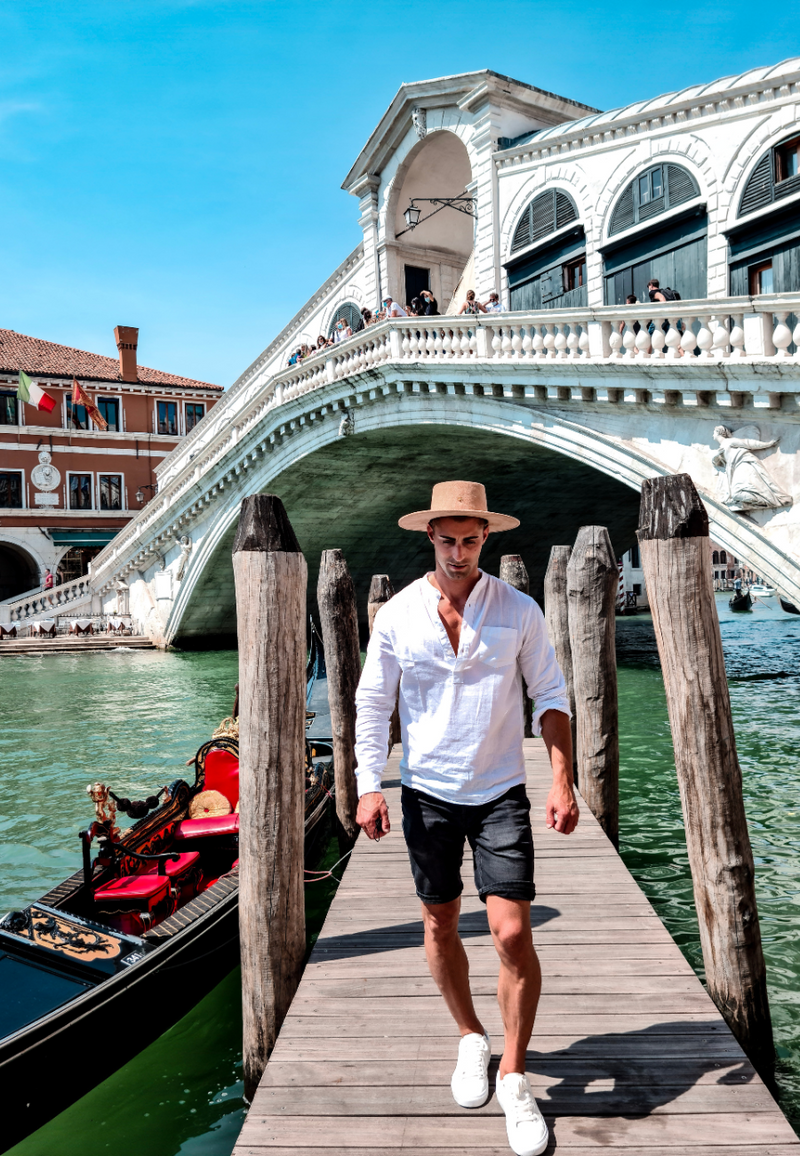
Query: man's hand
{"x": 372, "y": 815}
{"x": 562, "y": 808}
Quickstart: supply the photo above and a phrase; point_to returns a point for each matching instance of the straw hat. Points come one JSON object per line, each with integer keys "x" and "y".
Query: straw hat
{"x": 458, "y": 500}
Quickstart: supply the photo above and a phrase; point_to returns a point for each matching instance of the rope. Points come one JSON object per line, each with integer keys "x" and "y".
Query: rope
{"x": 329, "y": 874}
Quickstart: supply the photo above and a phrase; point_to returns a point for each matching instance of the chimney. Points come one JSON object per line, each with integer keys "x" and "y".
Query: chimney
{"x": 127, "y": 339}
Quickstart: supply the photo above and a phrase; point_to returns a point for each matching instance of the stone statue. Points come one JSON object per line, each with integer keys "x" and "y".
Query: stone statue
{"x": 45, "y": 476}
{"x": 347, "y": 425}
{"x": 186, "y": 549}
{"x": 419, "y": 119}
{"x": 748, "y": 485}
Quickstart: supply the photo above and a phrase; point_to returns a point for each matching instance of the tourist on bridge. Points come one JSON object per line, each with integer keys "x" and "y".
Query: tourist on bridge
{"x": 471, "y": 305}
{"x": 456, "y": 645}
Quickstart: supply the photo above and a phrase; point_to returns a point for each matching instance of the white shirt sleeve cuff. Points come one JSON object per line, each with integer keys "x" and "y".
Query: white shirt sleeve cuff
{"x": 367, "y": 781}
{"x": 548, "y": 704}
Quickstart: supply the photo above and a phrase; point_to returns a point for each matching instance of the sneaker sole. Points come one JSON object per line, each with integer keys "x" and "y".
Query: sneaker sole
{"x": 470, "y": 1103}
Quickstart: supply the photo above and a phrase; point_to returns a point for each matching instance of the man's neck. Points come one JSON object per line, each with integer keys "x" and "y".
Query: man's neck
{"x": 456, "y": 592}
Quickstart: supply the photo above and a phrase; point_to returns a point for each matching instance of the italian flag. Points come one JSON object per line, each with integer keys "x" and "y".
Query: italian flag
{"x": 27, "y": 391}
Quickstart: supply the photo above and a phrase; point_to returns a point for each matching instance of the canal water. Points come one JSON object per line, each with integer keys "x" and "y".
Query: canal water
{"x": 132, "y": 718}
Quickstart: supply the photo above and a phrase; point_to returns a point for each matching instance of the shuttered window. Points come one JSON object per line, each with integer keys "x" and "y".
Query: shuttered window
{"x": 543, "y": 215}
{"x": 653, "y": 192}
{"x": 775, "y": 176}
{"x": 350, "y": 313}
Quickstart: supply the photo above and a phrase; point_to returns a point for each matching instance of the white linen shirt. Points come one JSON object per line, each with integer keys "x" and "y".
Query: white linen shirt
{"x": 461, "y": 714}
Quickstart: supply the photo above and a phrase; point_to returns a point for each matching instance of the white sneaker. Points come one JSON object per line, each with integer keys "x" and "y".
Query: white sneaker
{"x": 470, "y": 1082}
{"x": 527, "y": 1130}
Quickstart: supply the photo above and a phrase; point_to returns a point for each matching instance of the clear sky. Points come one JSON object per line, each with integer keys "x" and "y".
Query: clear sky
{"x": 176, "y": 165}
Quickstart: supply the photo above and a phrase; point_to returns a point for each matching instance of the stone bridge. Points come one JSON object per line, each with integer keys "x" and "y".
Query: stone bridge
{"x": 561, "y": 415}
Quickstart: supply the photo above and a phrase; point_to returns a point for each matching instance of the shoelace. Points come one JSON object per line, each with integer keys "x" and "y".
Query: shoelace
{"x": 525, "y": 1109}
{"x": 470, "y": 1060}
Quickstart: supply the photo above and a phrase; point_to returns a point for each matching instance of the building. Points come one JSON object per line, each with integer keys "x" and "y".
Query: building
{"x": 66, "y": 485}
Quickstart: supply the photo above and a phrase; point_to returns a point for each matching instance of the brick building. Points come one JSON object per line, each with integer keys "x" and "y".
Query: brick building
{"x": 66, "y": 485}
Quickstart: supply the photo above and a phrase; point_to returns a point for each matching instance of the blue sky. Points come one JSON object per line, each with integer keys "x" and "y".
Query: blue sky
{"x": 176, "y": 165}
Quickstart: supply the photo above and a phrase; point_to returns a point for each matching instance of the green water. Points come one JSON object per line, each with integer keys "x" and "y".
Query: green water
{"x": 134, "y": 718}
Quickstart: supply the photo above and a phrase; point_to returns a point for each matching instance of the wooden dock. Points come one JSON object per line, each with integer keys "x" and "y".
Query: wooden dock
{"x": 628, "y": 1054}
{"x": 75, "y": 644}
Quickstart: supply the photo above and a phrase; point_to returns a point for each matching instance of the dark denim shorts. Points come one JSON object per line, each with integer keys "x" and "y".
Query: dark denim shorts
{"x": 499, "y": 834}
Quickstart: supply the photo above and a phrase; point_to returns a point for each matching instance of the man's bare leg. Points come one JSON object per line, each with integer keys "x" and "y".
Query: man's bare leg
{"x": 520, "y": 983}
{"x": 448, "y": 964}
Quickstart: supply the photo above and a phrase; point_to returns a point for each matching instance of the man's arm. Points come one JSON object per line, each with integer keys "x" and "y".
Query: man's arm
{"x": 561, "y": 808}
{"x": 375, "y": 701}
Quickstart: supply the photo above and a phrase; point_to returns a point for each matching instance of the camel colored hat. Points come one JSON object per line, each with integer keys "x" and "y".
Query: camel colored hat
{"x": 458, "y": 500}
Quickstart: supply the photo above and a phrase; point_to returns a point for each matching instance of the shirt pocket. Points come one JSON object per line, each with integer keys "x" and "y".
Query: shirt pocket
{"x": 497, "y": 646}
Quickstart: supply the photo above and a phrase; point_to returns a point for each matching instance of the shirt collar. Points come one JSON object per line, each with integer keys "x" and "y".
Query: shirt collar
{"x": 432, "y": 594}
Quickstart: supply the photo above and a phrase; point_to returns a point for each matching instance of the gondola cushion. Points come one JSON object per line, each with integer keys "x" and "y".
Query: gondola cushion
{"x": 222, "y": 774}
{"x": 180, "y": 866}
{"x": 133, "y": 892}
{"x": 203, "y": 828}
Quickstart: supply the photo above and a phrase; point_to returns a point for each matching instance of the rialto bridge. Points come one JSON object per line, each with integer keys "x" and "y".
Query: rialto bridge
{"x": 563, "y": 402}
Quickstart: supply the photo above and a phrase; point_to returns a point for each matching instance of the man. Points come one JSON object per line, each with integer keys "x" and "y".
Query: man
{"x": 456, "y": 645}
{"x": 429, "y": 303}
{"x": 392, "y": 309}
{"x": 493, "y": 304}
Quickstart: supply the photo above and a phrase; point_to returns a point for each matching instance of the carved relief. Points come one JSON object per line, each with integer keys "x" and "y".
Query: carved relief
{"x": 347, "y": 425}
{"x": 746, "y": 483}
{"x": 45, "y": 476}
{"x": 186, "y": 549}
{"x": 419, "y": 119}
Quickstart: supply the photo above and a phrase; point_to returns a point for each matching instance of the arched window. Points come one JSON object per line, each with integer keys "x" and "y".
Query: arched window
{"x": 544, "y": 215}
{"x": 776, "y": 175}
{"x": 654, "y": 191}
{"x": 715, "y": 558}
{"x": 723, "y": 558}
{"x": 351, "y": 314}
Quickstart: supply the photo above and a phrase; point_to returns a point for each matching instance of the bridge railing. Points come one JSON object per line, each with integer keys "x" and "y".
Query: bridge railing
{"x": 45, "y": 602}
{"x": 683, "y": 335}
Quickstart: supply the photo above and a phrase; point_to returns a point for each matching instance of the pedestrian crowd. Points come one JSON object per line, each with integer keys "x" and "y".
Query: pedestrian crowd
{"x": 423, "y": 305}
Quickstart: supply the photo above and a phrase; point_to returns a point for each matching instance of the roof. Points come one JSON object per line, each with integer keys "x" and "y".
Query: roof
{"x": 465, "y": 89}
{"x": 697, "y": 94}
{"x": 46, "y": 359}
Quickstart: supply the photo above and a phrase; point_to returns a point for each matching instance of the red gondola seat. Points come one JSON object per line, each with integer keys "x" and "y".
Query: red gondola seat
{"x": 184, "y": 875}
{"x": 131, "y": 903}
{"x": 221, "y": 774}
{"x": 204, "y": 828}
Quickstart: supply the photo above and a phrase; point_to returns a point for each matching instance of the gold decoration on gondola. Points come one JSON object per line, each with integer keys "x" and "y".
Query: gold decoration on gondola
{"x": 105, "y": 809}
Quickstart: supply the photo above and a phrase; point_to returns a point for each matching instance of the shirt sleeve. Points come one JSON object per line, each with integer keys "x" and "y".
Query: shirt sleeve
{"x": 376, "y": 698}
{"x": 537, "y": 659}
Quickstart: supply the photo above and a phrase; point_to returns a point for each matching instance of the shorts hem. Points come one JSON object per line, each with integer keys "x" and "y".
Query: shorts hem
{"x": 509, "y": 891}
{"x": 435, "y": 900}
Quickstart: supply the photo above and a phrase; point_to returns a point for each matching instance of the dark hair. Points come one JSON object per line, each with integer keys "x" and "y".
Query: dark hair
{"x": 631, "y": 299}
{"x": 653, "y": 281}
{"x": 459, "y": 518}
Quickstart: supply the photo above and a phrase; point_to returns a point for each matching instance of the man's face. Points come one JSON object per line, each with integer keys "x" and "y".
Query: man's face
{"x": 457, "y": 544}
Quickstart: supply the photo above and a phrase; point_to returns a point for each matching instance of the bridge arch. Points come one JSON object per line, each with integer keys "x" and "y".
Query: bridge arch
{"x": 348, "y": 492}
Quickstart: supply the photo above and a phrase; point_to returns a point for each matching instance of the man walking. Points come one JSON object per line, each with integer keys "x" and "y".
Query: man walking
{"x": 456, "y": 644}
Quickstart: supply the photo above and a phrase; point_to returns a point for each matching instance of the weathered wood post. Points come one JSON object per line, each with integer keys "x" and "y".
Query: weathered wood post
{"x": 673, "y": 540}
{"x": 338, "y": 615}
{"x": 556, "y": 615}
{"x": 513, "y": 571}
{"x": 380, "y": 591}
{"x": 592, "y": 578}
{"x": 270, "y": 575}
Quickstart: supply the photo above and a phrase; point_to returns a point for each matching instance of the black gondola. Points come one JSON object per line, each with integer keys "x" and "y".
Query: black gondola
{"x": 789, "y": 607}
{"x": 114, "y": 955}
{"x": 741, "y": 601}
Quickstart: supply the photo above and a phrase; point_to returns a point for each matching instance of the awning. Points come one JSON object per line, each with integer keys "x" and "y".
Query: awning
{"x": 83, "y": 537}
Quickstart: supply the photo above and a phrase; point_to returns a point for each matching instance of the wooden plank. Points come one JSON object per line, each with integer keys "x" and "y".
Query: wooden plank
{"x": 628, "y": 1053}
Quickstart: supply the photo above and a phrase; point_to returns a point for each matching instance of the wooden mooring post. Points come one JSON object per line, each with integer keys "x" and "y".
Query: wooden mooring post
{"x": 514, "y": 572}
{"x": 592, "y": 578}
{"x": 338, "y": 615}
{"x": 270, "y": 576}
{"x": 380, "y": 591}
{"x": 673, "y": 541}
{"x": 556, "y": 615}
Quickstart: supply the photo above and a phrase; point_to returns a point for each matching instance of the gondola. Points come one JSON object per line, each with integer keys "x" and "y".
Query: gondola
{"x": 741, "y": 601}
{"x": 789, "y": 607}
{"x": 114, "y": 955}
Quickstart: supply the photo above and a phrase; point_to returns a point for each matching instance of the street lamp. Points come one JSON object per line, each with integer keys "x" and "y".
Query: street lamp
{"x": 462, "y": 204}
{"x": 140, "y": 495}
{"x": 412, "y": 215}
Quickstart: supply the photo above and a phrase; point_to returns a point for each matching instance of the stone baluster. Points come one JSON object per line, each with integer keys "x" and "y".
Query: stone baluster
{"x": 705, "y": 338}
{"x": 447, "y": 344}
{"x": 506, "y": 344}
{"x": 737, "y": 336}
{"x": 782, "y": 335}
{"x": 414, "y": 345}
{"x": 550, "y": 341}
{"x": 572, "y": 343}
{"x": 657, "y": 341}
{"x": 560, "y": 344}
{"x": 688, "y": 340}
{"x": 496, "y": 343}
{"x": 405, "y": 345}
{"x": 672, "y": 341}
{"x": 430, "y": 343}
{"x": 438, "y": 344}
{"x": 796, "y": 339}
{"x": 516, "y": 344}
{"x": 537, "y": 341}
{"x": 465, "y": 342}
{"x": 473, "y": 343}
{"x": 721, "y": 341}
{"x": 642, "y": 341}
{"x": 615, "y": 342}
{"x": 527, "y": 343}
{"x": 629, "y": 340}
{"x": 583, "y": 342}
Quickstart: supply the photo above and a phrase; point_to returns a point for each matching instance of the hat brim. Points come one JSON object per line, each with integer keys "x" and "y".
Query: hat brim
{"x": 420, "y": 519}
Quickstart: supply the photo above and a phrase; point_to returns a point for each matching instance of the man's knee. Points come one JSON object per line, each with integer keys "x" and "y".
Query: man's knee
{"x": 441, "y": 919}
{"x": 510, "y": 924}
